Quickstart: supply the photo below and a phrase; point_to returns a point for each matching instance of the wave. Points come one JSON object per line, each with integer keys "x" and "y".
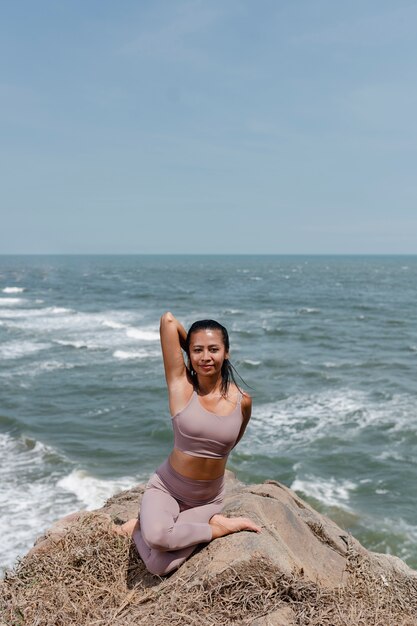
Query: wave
{"x": 11, "y": 301}
{"x": 39, "y": 486}
{"x": 251, "y": 363}
{"x": 28, "y": 499}
{"x": 331, "y": 491}
{"x": 396, "y": 536}
{"x": 19, "y": 376}
{"x": 93, "y": 492}
{"x": 308, "y": 310}
{"x": 58, "y": 310}
{"x": 79, "y": 344}
{"x": 232, "y": 312}
{"x": 277, "y": 332}
{"x": 55, "y": 318}
{"x": 19, "y": 349}
{"x": 335, "y": 437}
{"x": 135, "y": 354}
{"x": 112, "y": 324}
{"x": 142, "y": 334}
{"x": 305, "y": 419}
{"x": 68, "y": 323}
{"x": 61, "y": 327}
{"x": 13, "y": 289}
{"x": 25, "y": 316}
{"x": 50, "y": 366}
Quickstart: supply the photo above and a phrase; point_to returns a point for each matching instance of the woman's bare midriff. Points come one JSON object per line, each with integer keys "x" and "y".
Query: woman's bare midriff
{"x": 197, "y": 467}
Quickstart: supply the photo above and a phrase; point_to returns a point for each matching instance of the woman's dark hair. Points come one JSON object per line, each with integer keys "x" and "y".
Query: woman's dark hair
{"x": 227, "y": 370}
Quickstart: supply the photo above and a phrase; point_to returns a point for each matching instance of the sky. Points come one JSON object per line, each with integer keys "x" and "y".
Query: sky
{"x": 241, "y": 127}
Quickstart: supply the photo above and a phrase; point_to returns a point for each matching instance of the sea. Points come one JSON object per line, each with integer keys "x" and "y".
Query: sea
{"x": 326, "y": 346}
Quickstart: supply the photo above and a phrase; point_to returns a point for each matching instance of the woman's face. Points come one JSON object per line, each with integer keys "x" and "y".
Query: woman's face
{"x": 207, "y": 352}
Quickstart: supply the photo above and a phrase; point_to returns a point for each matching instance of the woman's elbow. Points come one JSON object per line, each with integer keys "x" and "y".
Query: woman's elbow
{"x": 166, "y": 318}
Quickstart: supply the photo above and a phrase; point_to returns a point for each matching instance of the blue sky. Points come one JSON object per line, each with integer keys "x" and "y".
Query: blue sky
{"x": 208, "y": 127}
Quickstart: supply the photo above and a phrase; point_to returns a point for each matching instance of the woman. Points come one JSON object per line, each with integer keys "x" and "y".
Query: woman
{"x": 183, "y": 499}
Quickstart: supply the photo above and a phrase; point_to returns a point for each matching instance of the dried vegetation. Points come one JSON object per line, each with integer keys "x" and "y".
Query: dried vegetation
{"x": 93, "y": 577}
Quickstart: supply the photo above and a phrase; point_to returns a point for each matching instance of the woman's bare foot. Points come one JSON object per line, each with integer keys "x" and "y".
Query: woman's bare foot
{"x": 128, "y": 528}
{"x": 221, "y": 525}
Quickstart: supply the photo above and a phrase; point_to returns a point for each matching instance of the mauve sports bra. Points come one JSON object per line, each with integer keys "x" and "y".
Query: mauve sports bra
{"x": 200, "y": 432}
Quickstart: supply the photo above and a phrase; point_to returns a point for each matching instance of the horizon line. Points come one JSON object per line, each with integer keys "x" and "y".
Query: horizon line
{"x": 200, "y": 254}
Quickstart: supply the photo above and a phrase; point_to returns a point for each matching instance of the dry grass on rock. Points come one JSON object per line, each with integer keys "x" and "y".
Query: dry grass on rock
{"x": 93, "y": 577}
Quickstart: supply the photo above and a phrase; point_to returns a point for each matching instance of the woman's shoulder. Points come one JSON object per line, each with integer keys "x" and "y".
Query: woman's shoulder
{"x": 246, "y": 399}
{"x": 241, "y": 395}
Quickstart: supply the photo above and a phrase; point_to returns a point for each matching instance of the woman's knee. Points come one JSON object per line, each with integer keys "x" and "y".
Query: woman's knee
{"x": 157, "y": 537}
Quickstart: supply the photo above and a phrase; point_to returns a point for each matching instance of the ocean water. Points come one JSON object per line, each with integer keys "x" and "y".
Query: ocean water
{"x": 327, "y": 347}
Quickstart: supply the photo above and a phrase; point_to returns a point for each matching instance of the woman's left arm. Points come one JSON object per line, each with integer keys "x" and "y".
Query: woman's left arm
{"x": 246, "y": 414}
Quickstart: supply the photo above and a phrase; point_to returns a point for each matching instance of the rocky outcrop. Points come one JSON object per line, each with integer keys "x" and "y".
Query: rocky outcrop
{"x": 302, "y": 569}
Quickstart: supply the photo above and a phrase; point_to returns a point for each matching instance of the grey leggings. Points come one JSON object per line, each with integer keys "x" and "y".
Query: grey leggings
{"x": 174, "y": 517}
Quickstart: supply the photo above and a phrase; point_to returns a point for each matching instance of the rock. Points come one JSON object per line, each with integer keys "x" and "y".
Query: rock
{"x": 124, "y": 505}
{"x": 295, "y": 538}
{"x": 57, "y": 532}
{"x": 302, "y": 563}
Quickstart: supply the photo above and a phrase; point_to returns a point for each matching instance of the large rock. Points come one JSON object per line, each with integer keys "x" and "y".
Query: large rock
{"x": 295, "y": 538}
{"x": 281, "y": 577}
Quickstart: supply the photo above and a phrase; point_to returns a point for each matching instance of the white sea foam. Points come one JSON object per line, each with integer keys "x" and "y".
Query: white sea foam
{"x": 404, "y": 534}
{"x": 391, "y": 455}
{"x": 33, "y": 318}
{"x": 49, "y": 366}
{"x": 303, "y": 419}
{"x": 109, "y": 331}
{"x": 21, "y": 375}
{"x": 92, "y": 492}
{"x": 11, "y": 301}
{"x": 13, "y": 289}
{"x": 113, "y": 324}
{"x": 94, "y": 327}
{"x": 135, "y": 354}
{"x": 58, "y": 310}
{"x": 143, "y": 334}
{"x": 17, "y": 349}
{"x": 28, "y": 499}
{"x": 38, "y": 486}
{"x": 252, "y": 363}
{"x": 79, "y": 344}
{"x": 310, "y": 310}
{"x": 330, "y": 491}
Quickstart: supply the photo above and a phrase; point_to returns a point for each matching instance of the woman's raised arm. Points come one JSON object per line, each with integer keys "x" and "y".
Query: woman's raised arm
{"x": 173, "y": 336}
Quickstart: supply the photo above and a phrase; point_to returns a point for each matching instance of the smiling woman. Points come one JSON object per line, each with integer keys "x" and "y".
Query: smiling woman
{"x": 183, "y": 499}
